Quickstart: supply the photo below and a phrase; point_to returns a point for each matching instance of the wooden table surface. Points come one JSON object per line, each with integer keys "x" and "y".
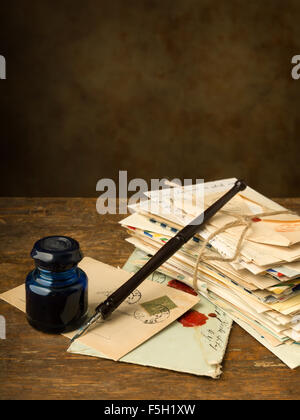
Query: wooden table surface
{"x": 36, "y": 366}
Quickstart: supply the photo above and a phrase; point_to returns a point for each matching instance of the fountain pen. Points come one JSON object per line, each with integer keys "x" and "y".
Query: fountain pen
{"x": 105, "y": 308}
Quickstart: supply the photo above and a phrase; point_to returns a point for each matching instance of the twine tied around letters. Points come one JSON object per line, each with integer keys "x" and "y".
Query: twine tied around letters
{"x": 245, "y": 221}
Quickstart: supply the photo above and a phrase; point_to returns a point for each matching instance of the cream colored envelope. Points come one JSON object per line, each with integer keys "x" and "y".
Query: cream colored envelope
{"x": 193, "y": 349}
{"x": 148, "y": 310}
{"x": 281, "y": 230}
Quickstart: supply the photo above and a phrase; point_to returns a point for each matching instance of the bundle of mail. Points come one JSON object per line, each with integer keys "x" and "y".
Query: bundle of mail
{"x": 260, "y": 289}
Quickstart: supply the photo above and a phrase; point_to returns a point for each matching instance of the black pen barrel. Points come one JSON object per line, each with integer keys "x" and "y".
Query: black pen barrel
{"x": 172, "y": 246}
{"x": 195, "y": 226}
{"x": 117, "y": 297}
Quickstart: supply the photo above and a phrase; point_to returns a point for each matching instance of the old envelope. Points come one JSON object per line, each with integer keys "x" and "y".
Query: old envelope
{"x": 148, "y": 310}
{"x": 181, "y": 347}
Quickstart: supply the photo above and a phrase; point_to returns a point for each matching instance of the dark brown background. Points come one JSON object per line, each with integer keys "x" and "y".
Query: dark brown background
{"x": 177, "y": 88}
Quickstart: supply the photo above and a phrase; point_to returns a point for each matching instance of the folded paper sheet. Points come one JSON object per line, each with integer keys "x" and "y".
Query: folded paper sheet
{"x": 189, "y": 345}
{"x": 148, "y": 310}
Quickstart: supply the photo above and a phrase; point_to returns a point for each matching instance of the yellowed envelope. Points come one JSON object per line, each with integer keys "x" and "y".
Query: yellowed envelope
{"x": 148, "y": 310}
{"x": 280, "y": 230}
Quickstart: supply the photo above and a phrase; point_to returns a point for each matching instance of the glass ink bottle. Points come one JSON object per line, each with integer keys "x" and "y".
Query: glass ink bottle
{"x": 56, "y": 290}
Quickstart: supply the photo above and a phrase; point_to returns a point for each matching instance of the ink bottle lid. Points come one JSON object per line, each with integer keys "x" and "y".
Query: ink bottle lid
{"x": 56, "y": 253}
{"x": 57, "y": 289}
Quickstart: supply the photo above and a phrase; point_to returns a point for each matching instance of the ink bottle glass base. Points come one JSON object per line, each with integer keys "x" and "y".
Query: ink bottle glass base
{"x": 63, "y": 329}
{"x": 56, "y": 290}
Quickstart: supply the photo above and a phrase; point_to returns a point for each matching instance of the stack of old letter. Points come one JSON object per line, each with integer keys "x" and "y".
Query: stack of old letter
{"x": 260, "y": 289}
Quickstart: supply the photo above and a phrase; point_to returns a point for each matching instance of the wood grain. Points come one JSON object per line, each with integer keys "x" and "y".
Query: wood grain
{"x": 36, "y": 366}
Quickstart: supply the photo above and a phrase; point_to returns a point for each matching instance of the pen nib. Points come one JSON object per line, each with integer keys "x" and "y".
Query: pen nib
{"x": 86, "y": 326}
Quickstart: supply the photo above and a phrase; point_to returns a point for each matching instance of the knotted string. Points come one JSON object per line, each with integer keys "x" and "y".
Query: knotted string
{"x": 240, "y": 221}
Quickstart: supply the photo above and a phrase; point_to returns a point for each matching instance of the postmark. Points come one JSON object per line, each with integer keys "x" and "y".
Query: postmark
{"x": 133, "y": 298}
{"x": 161, "y": 314}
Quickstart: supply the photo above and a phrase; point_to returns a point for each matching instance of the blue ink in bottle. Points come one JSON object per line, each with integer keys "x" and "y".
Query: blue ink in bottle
{"x": 56, "y": 290}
